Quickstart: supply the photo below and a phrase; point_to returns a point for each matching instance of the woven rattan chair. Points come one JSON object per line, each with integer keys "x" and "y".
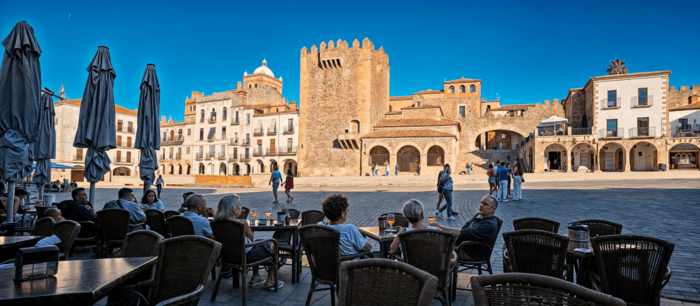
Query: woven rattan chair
{"x": 89, "y": 237}
{"x": 41, "y": 211}
{"x": 384, "y": 282}
{"x": 244, "y": 213}
{"x": 180, "y": 226}
{"x": 533, "y": 289}
{"x": 322, "y": 246}
{"x": 601, "y": 227}
{"x": 155, "y": 219}
{"x": 183, "y": 266}
{"x": 169, "y": 213}
{"x": 536, "y": 252}
{"x": 67, "y": 231}
{"x": 631, "y": 267}
{"x": 142, "y": 244}
{"x": 43, "y": 227}
{"x": 186, "y": 299}
{"x": 311, "y": 217}
{"x": 431, "y": 251}
{"x": 399, "y": 219}
{"x": 284, "y": 238}
{"x": 464, "y": 265}
{"x": 536, "y": 224}
{"x": 114, "y": 223}
{"x": 231, "y": 235}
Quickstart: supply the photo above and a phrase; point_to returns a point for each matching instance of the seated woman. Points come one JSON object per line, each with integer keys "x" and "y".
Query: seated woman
{"x": 335, "y": 207}
{"x": 229, "y": 208}
{"x": 150, "y": 201}
{"x": 413, "y": 212}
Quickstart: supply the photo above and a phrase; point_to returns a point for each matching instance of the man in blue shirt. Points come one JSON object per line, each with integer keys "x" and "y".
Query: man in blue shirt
{"x": 159, "y": 184}
{"x": 196, "y": 205}
{"x": 502, "y": 176}
{"x": 128, "y": 201}
{"x": 275, "y": 182}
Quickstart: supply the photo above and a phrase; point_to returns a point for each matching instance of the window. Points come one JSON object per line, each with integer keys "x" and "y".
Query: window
{"x": 235, "y": 152}
{"x": 128, "y": 142}
{"x": 201, "y": 149}
{"x": 202, "y": 118}
{"x": 452, "y": 89}
{"x": 247, "y": 137}
{"x": 612, "y": 128}
{"x": 462, "y": 89}
{"x": 128, "y": 157}
{"x": 189, "y": 132}
{"x": 417, "y": 104}
{"x": 247, "y": 153}
{"x": 119, "y": 141}
{"x": 201, "y": 134}
{"x": 212, "y": 149}
{"x": 79, "y": 154}
{"x": 188, "y": 150}
{"x": 247, "y": 119}
{"x": 290, "y": 141}
{"x": 643, "y": 98}
{"x": 462, "y": 110}
{"x": 236, "y": 117}
{"x": 250, "y": 86}
{"x": 643, "y": 126}
{"x": 488, "y": 108}
{"x": 223, "y": 132}
{"x": 612, "y": 98}
{"x": 119, "y": 125}
{"x": 683, "y": 124}
{"x": 119, "y": 156}
{"x": 272, "y": 146}
{"x": 223, "y": 115}
{"x": 131, "y": 127}
{"x": 472, "y": 88}
{"x": 223, "y": 150}
{"x": 291, "y": 123}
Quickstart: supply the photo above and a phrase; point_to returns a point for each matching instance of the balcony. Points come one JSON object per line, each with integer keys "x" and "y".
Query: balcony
{"x": 288, "y": 130}
{"x": 642, "y": 102}
{"x": 78, "y": 158}
{"x": 285, "y": 151}
{"x": 611, "y": 133}
{"x": 641, "y": 132}
{"x": 554, "y": 130}
{"x": 172, "y": 141}
{"x": 199, "y": 156}
{"x": 272, "y": 131}
{"x": 581, "y": 131}
{"x": 349, "y": 140}
{"x": 233, "y": 141}
{"x": 212, "y": 139}
{"x": 124, "y": 146}
{"x": 162, "y": 157}
{"x": 258, "y": 152}
{"x": 258, "y": 132}
{"x": 178, "y": 156}
{"x": 235, "y": 122}
{"x": 212, "y": 119}
{"x": 269, "y": 151}
{"x": 233, "y": 158}
{"x": 120, "y": 160}
{"x": 245, "y": 142}
{"x": 686, "y": 130}
{"x": 605, "y": 104}
{"x": 222, "y": 156}
{"x": 130, "y": 130}
{"x": 245, "y": 158}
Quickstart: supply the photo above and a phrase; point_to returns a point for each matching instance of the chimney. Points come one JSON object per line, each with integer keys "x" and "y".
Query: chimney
{"x": 693, "y": 99}
{"x": 239, "y": 86}
{"x": 293, "y": 105}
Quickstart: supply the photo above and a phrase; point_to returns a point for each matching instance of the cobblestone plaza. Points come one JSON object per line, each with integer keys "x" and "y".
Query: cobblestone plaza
{"x": 650, "y": 204}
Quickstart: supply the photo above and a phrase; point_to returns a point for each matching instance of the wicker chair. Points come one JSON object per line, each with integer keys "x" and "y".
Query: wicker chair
{"x": 155, "y": 219}
{"x": 533, "y": 289}
{"x": 284, "y": 238}
{"x": 67, "y": 231}
{"x": 536, "y": 224}
{"x": 180, "y": 226}
{"x": 384, "y": 282}
{"x": 464, "y": 265}
{"x": 311, "y": 217}
{"x": 322, "y": 246}
{"x": 244, "y": 213}
{"x": 182, "y": 269}
{"x": 41, "y": 211}
{"x": 431, "y": 251}
{"x": 231, "y": 235}
{"x": 399, "y": 219}
{"x": 186, "y": 299}
{"x": 535, "y": 251}
{"x": 89, "y": 237}
{"x": 601, "y": 227}
{"x": 141, "y": 244}
{"x": 43, "y": 227}
{"x": 633, "y": 267}
{"x": 114, "y": 223}
{"x": 169, "y": 213}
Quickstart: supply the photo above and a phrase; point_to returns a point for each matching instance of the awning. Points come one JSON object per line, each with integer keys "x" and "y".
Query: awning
{"x": 57, "y": 166}
{"x": 554, "y": 120}
{"x": 212, "y": 131}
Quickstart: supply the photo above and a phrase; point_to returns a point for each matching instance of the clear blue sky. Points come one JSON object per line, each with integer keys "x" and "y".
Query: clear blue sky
{"x": 524, "y": 52}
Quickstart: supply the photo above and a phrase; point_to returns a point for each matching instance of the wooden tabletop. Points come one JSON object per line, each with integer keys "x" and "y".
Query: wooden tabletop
{"x": 7, "y": 242}
{"x": 377, "y": 234}
{"x": 77, "y": 282}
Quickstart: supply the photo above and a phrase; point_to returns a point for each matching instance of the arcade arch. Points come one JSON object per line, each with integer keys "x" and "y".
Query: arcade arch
{"x": 612, "y": 157}
{"x": 408, "y": 159}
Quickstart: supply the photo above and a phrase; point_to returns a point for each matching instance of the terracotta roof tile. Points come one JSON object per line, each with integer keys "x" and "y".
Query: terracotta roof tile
{"x": 117, "y": 108}
{"x": 690, "y": 106}
{"x": 400, "y": 98}
{"x": 463, "y": 80}
{"x": 407, "y": 134}
{"x": 513, "y": 107}
{"x": 429, "y": 91}
{"x": 414, "y": 122}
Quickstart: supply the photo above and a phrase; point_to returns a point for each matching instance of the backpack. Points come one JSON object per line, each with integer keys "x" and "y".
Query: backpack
{"x": 439, "y": 176}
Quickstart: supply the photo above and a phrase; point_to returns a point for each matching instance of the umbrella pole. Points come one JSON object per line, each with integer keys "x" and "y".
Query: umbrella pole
{"x": 92, "y": 194}
{"x": 41, "y": 194}
{"x": 146, "y": 186}
{"x": 10, "y": 201}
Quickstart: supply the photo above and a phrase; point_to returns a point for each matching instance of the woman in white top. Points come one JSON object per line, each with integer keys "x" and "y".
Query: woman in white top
{"x": 413, "y": 212}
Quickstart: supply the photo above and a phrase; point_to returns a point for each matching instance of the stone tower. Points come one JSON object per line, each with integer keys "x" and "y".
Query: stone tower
{"x": 343, "y": 92}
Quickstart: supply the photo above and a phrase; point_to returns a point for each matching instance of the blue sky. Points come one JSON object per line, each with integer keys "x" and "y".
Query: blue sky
{"x": 523, "y": 51}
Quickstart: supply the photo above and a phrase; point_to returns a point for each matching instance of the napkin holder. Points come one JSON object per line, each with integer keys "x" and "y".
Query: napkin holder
{"x": 33, "y": 263}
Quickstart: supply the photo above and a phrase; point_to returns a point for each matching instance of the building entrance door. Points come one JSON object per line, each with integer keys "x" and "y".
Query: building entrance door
{"x": 585, "y": 160}
{"x": 555, "y": 160}
{"x": 408, "y": 159}
{"x": 640, "y": 162}
{"x": 609, "y": 161}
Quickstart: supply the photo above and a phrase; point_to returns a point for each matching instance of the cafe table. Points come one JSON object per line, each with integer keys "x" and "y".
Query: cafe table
{"x": 385, "y": 238}
{"x": 10, "y": 244}
{"x": 77, "y": 282}
{"x": 577, "y": 262}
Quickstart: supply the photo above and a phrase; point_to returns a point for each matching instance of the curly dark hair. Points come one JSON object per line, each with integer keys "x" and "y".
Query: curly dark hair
{"x": 334, "y": 206}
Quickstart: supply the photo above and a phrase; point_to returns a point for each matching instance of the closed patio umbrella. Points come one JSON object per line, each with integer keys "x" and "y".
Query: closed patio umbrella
{"x": 45, "y": 147}
{"x": 96, "y": 123}
{"x": 148, "y": 126}
{"x": 20, "y": 95}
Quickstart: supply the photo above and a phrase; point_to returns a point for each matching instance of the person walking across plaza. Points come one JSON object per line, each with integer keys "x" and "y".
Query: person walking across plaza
{"x": 396, "y": 168}
{"x": 374, "y": 168}
{"x": 446, "y": 179}
{"x": 502, "y": 177}
{"x": 517, "y": 182}
{"x": 439, "y": 189}
{"x": 510, "y": 174}
{"x": 387, "y": 169}
{"x": 159, "y": 184}
{"x": 469, "y": 172}
{"x": 288, "y": 185}
{"x": 419, "y": 170}
{"x": 492, "y": 180}
{"x": 472, "y": 167}
{"x": 275, "y": 178}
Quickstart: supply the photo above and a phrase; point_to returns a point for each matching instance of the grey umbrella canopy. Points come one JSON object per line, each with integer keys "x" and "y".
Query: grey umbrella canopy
{"x": 96, "y": 124}
{"x": 20, "y": 94}
{"x": 148, "y": 127}
{"x": 45, "y": 146}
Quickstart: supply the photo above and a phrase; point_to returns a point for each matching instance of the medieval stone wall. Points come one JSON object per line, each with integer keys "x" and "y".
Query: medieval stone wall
{"x": 681, "y": 96}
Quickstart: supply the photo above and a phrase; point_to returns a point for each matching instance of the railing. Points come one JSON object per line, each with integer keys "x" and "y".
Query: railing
{"x": 611, "y": 133}
{"x": 233, "y": 141}
{"x": 119, "y": 128}
{"x": 258, "y": 152}
{"x": 201, "y": 120}
{"x": 199, "y": 156}
{"x": 78, "y": 158}
{"x": 605, "y": 105}
{"x": 684, "y": 132}
{"x": 272, "y": 130}
{"x": 287, "y": 150}
{"x": 178, "y": 156}
{"x": 233, "y": 157}
{"x": 222, "y": 155}
{"x": 270, "y": 151}
{"x": 551, "y": 131}
{"x": 637, "y": 102}
{"x": 212, "y": 119}
{"x": 245, "y": 158}
{"x": 123, "y": 146}
{"x": 258, "y": 131}
{"x": 130, "y": 130}
{"x": 179, "y": 139}
{"x": 245, "y": 142}
{"x": 581, "y": 131}
{"x": 211, "y": 155}
{"x": 128, "y": 159}
{"x": 119, "y": 160}
{"x": 170, "y": 156}
{"x": 643, "y": 132}
{"x": 162, "y": 157}
{"x": 289, "y": 129}
{"x": 235, "y": 122}
{"x": 212, "y": 139}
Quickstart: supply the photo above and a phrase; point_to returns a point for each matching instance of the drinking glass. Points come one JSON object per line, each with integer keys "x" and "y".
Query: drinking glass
{"x": 431, "y": 217}
{"x": 390, "y": 219}
{"x": 254, "y": 213}
{"x": 268, "y": 213}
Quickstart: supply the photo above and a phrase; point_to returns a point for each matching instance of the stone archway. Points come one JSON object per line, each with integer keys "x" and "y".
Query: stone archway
{"x": 408, "y": 159}
{"x": 684, "y": 156}
{"x": 436, "y": 156}
{"x": 486, "y": 138}
{"x": 236, "y": 169}
{"x": 273, "y": 165}
{"x": 222, "y": 169}
{"x": 555, "y": 157}
{"x": 583, "y": 155}
{"x": 379, "y": 156}
{"x": 290, "y": 164}
{"x": 611, "y": 157}
{"x": 201, "y": 169}
{"x": 643, "y": 156}
{"x": 121, "y": 171}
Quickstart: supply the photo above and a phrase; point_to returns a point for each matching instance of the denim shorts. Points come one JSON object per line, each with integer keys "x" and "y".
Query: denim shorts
{"x": 492, "y": 180}
{"x": 275, "y": 185}
{"x": 258, "y": 253}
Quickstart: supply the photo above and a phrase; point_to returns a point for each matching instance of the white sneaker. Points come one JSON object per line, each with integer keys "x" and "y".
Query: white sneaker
{"x": 451, "y": 218}
{"x": 505, "y": 201}
{"x": 438, "y": 214}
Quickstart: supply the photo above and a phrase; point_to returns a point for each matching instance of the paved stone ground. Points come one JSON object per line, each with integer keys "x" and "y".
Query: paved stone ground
{"x": 666, "y": 208}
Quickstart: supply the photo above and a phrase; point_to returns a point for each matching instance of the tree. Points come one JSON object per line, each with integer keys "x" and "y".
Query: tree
{"x": 617, "y": 67}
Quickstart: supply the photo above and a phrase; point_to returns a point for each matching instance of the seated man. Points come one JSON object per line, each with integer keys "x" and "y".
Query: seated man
{"x": 183, "y": 207}
{"x": 197, "y": 205}
{"x": 483, "y": 227}
{"x": 335, "y": 207}
{"x": 78, "y": 209}
{"x": 55, "y": 214}
{"x": 129, "y": 202}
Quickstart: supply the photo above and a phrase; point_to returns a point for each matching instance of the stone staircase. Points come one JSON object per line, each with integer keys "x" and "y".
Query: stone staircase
{"x": 482, "y": 159}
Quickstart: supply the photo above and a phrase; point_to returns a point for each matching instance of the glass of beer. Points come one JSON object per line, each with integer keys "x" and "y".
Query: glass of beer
{"x": 390, "y": 219}
{"x": 431, "y": 217}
